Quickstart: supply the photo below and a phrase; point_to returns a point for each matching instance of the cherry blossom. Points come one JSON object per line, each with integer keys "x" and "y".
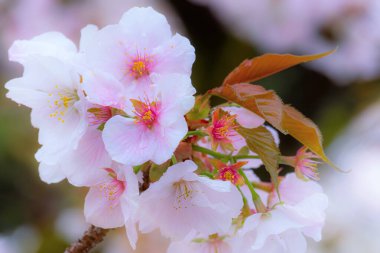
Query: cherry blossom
{"x": 305, "y": 164}
{"x": 300, "y": 213}
{"x": 185, "y": 203}
{"x": 223, "y": 136}
{"x": 155, "y": 123}
{"x": 113, "y": 202}
{"x": 139, "y": 46}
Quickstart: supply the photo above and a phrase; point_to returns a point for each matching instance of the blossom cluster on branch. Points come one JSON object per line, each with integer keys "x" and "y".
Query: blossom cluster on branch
{"x": 120, "y": 117}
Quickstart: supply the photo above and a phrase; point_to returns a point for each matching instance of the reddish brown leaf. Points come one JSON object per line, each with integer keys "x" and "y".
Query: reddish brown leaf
{"x": 183, "y": 151}
{"x": 266, "y": 65}
{"x": 305, "y": 131}
{"x": 283, "y": 117}
{"x": 255, "y": 98}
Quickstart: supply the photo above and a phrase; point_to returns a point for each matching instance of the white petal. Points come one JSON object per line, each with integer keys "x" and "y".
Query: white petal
{"x": 145, "y": 27}
{"x": 175, "y": 56}
{"x": 128, "y": 142}
{"x": 103, "y": 89}
{"x": 99, "y": 212}
{"x": 84, "y": 165}
{"x": 51, "y": 174}
{"x": 48, "y": 44}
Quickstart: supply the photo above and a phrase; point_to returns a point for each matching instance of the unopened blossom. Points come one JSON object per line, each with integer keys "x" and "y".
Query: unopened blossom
{"x": 305, "y": 164}
{"x": 155, "y": 124}
{"x": 182, "y": 203}
{"x": 113, "y": 202}
{"x": 300, "y": 213}
{"x": 139, "y": 46}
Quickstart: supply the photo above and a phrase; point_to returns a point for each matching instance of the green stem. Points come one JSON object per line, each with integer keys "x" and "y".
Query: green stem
{"x": 268, "y": 187}
{"x": 174, "y": 159}
{"x": 136, "y": 169}
{"x": 207, "y": 174}
{"x": 243, "y": 196}
{"x": 221, "y": 156}
{"x": 237, "y": 157}
{"x": 255, "y": 197}
{"x": 209, "y": 152}
{"x": 196, "y": 132}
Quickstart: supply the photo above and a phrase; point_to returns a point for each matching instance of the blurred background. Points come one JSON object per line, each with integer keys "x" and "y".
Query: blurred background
{"x": 341, "y": 93}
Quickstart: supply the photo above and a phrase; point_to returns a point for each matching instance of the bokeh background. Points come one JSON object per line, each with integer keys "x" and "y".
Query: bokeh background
{"x": 340, "y": 93}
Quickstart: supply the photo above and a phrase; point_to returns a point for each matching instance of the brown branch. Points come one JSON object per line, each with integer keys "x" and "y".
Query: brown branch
{"x": 89, "y": 240}
{"x": 145, "y": 184}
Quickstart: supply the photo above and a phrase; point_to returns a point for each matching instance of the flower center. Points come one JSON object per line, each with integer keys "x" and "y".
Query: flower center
{"x": 221, "y": 131}
{"x": 62, "y": 99}
{"x": 306, "y": 164}
{"x": 228, "y": 176}
{"x": 140, "y": 66}
{"x": 231, "y": 173}
{"x": 113, "y": 189}
{"x": 183, "y": 194}
{"x": 146, "y": 112}
{"x": 99, "y": 115}
{"x": 222, "y": 126}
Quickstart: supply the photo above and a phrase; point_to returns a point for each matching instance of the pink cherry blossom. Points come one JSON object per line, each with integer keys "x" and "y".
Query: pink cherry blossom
{"x": 114, "y": 201}
{"x": 51, "y": 88}
{"x": 185, "y": 203}
{"x": 300, "y": 213}
{"x": 155, "y": 123}
{"x": 226, "y": 139}
{"x": 72, "y": 147}
{"x": 139, "y": 46}
{"x": 305, "y": 164}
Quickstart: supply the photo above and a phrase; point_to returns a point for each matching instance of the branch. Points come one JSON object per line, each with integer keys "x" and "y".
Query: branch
{"x": 89, "y": 240}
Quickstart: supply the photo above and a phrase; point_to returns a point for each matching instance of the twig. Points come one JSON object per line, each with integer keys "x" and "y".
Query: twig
{"x": 145, "y": 171}
{"x": 89, "y": 240}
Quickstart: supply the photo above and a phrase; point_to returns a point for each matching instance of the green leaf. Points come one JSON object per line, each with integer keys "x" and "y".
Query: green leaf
{"x": 243, "y": 151}
{"x": 156, "y": 171}
{"x": 261, "y": 141}
{"x": 201, "y": 108}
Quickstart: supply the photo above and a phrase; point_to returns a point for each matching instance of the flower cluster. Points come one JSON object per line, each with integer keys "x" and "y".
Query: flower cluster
{"x": 119, "y": 116}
